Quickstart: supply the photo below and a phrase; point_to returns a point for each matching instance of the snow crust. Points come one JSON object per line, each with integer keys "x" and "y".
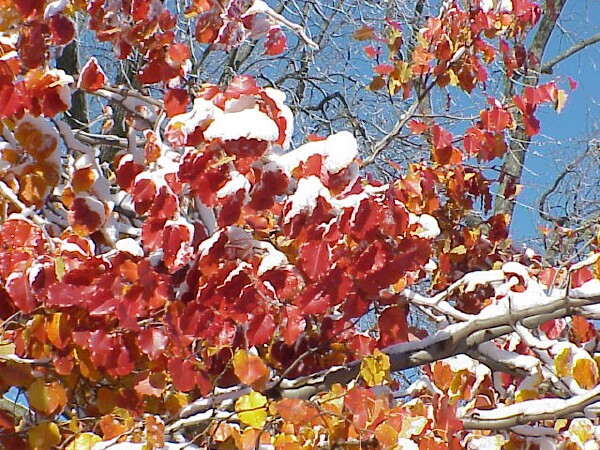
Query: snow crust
{"x": 131, "y": 246}
{"x": 496, "y": 5}
{"x": 306, "y": 195}
{"x": 236, "y": 183}
{"x": 272, "y": 258}
{"x": 248, "y": 123}
{"x": 588, "y": 289}
{"x": 338, "y": 150}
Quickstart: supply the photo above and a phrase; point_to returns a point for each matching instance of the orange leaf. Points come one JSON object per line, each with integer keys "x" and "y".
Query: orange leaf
{"x": 363, "y": 33}
{"x": 250, "y": 369}
{"x": 46, "y": 398}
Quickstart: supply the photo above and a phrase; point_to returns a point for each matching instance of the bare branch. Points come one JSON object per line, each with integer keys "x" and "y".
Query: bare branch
{"x": 548, "y": 67}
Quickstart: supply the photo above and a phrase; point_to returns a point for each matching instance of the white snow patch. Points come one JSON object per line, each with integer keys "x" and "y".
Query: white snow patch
{"x": 588, "y": 289}
{"x": 131, "y": 246}
{"x": 236, "y": 183}
{"x": 248, "y": 123}
{"x": 54, "y": 8}
{"x": 496, "y": 5}
{"x": 428, "y": 227}
{"x": 202, "y": 112}
{"x": 512, "y": 359}
{"x": 272, "y": 258}
{"x": 407, "y": 444}
{"x": 306, "y": 195}
{"x": 284, "y": 111}
{"x": 240, "y": 104}
{"x": 338, "y": 150}
{"x": 515, "y": 268}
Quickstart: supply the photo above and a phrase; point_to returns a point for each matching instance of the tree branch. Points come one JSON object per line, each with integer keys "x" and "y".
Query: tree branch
{"x": 548, "y": 67}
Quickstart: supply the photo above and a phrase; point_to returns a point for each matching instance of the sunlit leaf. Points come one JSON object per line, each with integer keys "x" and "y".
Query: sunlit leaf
{"x": 84, "y": 441}
{"x": 250, "y": 369}
{"x": 44, "y": 436}
{"x": 251, "y": 409}
{"x": 375, "y": 369}
{"x": 46, "y": 398}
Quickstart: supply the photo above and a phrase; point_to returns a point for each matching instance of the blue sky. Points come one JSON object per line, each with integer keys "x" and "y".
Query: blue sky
{"x": 580, "y": 119}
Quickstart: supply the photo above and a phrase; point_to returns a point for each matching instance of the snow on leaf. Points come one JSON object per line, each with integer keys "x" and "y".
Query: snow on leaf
{"x": 271, "y": 259}
{"x": 339, "y": 151}
{"x": 304, "y": 200}
{"x": 275, "y": 42}
{"x": 236, "y": 183}
{"x": 428, "y": 227}
{"x": 92, "y": 76}
{"x": 248, "y": 124}
{"x": 182, "y": 125}
{"x": 131, "y": 246}
{"x": 87, "y": 214}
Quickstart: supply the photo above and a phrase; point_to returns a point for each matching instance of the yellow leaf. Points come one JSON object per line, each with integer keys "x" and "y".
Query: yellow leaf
{"x": 583, "y": 429}
{"x": 454, "y": 81}
{"x": 585, "y": 372}
{"x": 412, "y": 426}
{"x": 46, "y": 398}
{"x": 84, "y": 441}
{"x": 526, "y": 394}
{"x": 6, "y": 348}
{"x": 375, "y": 369}
{"x": 59, "y": 268}
{"x": 251, "y": 409}
{"x": 563, "y": 361}
{"x": 44, "y": 436}
{"x": 561, "y": 99}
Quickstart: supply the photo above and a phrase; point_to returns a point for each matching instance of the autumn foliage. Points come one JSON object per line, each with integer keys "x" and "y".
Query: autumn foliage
{"x": 215, "y": 284}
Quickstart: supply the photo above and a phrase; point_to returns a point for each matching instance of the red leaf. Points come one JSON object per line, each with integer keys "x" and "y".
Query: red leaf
{"x": 553, "y": 328}
{"x": 178, "y": 53}
{"x": 417, "y": 127}
{"x": 177, "y": 248}
{"x": 315, "y": 258}
{"x": 87, "y": 214}
{"x": 152, "y": 342}
{"x": 165, "y": 205}
{"x": 580, "y": 276}
{"x": 383, "y": 69}
{"x": 242, "y": 85}
{"x": 582, "y": 329}
{"x": 293, "y": 324}
{"x": 19, "y": 289}
{"x": 496, "y": 119}
{"x": 144, "y": 193}
{"x": 393, "y": 327}
{"x": 182, "y": 373}
{"x": 372, "y": 52}
{"x": 61, "y": 29}
{"x": 32, "y": 40}
{"x": 92, "y": 77}
{"x": 176, "y": 101}
{"x": 260, "y": 329}
{"x": 276, "y": 42}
